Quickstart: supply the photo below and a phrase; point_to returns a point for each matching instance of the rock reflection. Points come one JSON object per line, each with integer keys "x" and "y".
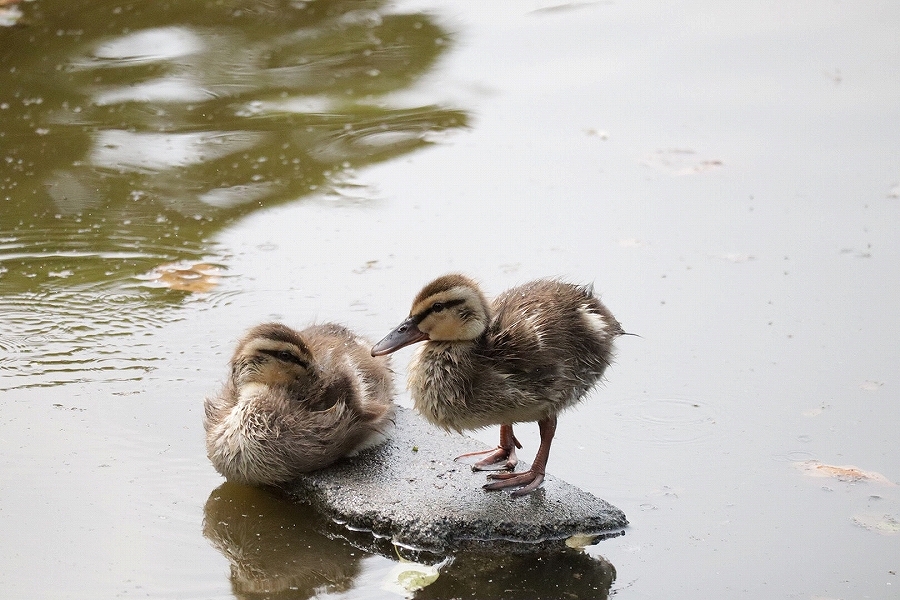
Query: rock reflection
{"x": 277, "y": 548}
{"x": 132, "y": 133}
{"x": 567, "y": 574}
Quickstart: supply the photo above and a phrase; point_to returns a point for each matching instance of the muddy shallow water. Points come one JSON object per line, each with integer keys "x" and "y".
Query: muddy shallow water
{"x": 728, "y": 177}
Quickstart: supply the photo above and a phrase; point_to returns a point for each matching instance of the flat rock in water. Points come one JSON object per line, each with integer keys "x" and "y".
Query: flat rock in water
{"x": 410, "y": 490}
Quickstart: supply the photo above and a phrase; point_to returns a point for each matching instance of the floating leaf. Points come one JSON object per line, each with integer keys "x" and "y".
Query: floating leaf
{"x": 197, "y": 278}
{"x": 847, "y": 473}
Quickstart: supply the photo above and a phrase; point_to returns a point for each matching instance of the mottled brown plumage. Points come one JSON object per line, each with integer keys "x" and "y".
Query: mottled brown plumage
{"x": 296, "y": 402}
{"x": 536, "y": 350}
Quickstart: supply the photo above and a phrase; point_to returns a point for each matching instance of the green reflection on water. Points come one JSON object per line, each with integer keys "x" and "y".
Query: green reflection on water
{"x": 131, "y": 133}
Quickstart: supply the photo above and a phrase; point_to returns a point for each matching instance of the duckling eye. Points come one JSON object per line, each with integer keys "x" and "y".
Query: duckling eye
{"x": 286, "y": 356}
{"x": 438, "y": 307}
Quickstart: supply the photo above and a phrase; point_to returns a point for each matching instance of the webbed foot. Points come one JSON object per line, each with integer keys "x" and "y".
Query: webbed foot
{"x": 529, "y": 480}
{"x": 501, "y": 458}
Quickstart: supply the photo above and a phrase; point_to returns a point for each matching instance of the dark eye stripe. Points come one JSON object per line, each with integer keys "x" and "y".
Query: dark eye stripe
{"x": 444, "y": 306}
{"x": 286, "y": 356}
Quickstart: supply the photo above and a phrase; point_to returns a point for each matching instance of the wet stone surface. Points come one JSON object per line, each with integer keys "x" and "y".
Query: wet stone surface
{"x": 410, "y": 490}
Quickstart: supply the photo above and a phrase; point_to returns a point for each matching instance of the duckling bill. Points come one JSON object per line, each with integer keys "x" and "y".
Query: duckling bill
{"x": 296, "y": 401}
{"x": 534, "y": 351}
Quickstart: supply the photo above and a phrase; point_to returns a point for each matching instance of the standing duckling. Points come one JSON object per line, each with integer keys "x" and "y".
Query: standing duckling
{"x": 533, "y": 352}
{"x": 296, "y": 402}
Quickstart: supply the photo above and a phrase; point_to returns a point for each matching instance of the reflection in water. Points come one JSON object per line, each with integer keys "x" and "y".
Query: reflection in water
{"x": 568, "y": 574}
{"x": 274, "y": 547}
{"x": 132, "y": 133}
{"x": 280, "y": 549}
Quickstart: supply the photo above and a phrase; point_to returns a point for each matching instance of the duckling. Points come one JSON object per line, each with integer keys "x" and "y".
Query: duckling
{"x": 536, "y": 350}
{"x": 296, "y": 402}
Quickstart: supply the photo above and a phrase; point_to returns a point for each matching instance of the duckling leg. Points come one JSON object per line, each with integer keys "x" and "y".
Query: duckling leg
{"x": 500, "y": 458}
{"x": 531, "y": 479}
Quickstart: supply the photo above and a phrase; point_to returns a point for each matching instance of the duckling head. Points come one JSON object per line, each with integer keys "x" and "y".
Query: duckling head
{"x": 449, "y": 309}
{"x": 271, "y": 354}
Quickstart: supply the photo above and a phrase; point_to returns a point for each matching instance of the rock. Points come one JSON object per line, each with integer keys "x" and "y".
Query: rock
{"x": 411, "y": 491}
{"x": 285, "y": 549}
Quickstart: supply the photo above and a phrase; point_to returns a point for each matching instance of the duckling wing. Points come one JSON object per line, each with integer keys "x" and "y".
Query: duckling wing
{"x": 518, "y": 347}
{"x": 553, "y": 337}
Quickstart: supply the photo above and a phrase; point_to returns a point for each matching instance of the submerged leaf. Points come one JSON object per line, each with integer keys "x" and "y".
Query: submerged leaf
{"x": 580, "y": 541}
{"x": 197, "y": 278}
{"x": 10, "y": 16}
{"x": 409, "y": 577}
{"x": 886, "y": 524}
{"x": 416, "y": 579}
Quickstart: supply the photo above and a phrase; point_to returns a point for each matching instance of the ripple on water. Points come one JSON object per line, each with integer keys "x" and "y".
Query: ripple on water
{"x": 140, "y": 241}
{"x": 82, "y": 333}
{"x": 665, "y": 421}
{"x": 73, "y": 306}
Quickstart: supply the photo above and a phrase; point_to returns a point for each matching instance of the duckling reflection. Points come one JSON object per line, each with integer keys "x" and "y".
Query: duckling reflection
{"x": 296, "y": 402}
{"x": 536, "y": 350}
{"x": 274, "y": 546}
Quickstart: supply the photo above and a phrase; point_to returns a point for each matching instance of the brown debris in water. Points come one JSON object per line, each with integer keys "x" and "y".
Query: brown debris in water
{"x": 848, "y": 473}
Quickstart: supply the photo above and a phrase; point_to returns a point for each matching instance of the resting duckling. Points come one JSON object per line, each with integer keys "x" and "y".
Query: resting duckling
{"x": 533, "y": 352}
{"x": 296, "y": 402}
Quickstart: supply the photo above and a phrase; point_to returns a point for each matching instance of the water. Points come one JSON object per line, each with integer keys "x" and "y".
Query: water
{"x": 726, "y": 176}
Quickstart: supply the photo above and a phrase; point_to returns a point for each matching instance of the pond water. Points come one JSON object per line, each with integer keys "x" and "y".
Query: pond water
{"x": 727, "y": 176}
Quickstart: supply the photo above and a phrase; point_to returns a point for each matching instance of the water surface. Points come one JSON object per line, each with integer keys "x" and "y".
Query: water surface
{"x": 728, "y": 177}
